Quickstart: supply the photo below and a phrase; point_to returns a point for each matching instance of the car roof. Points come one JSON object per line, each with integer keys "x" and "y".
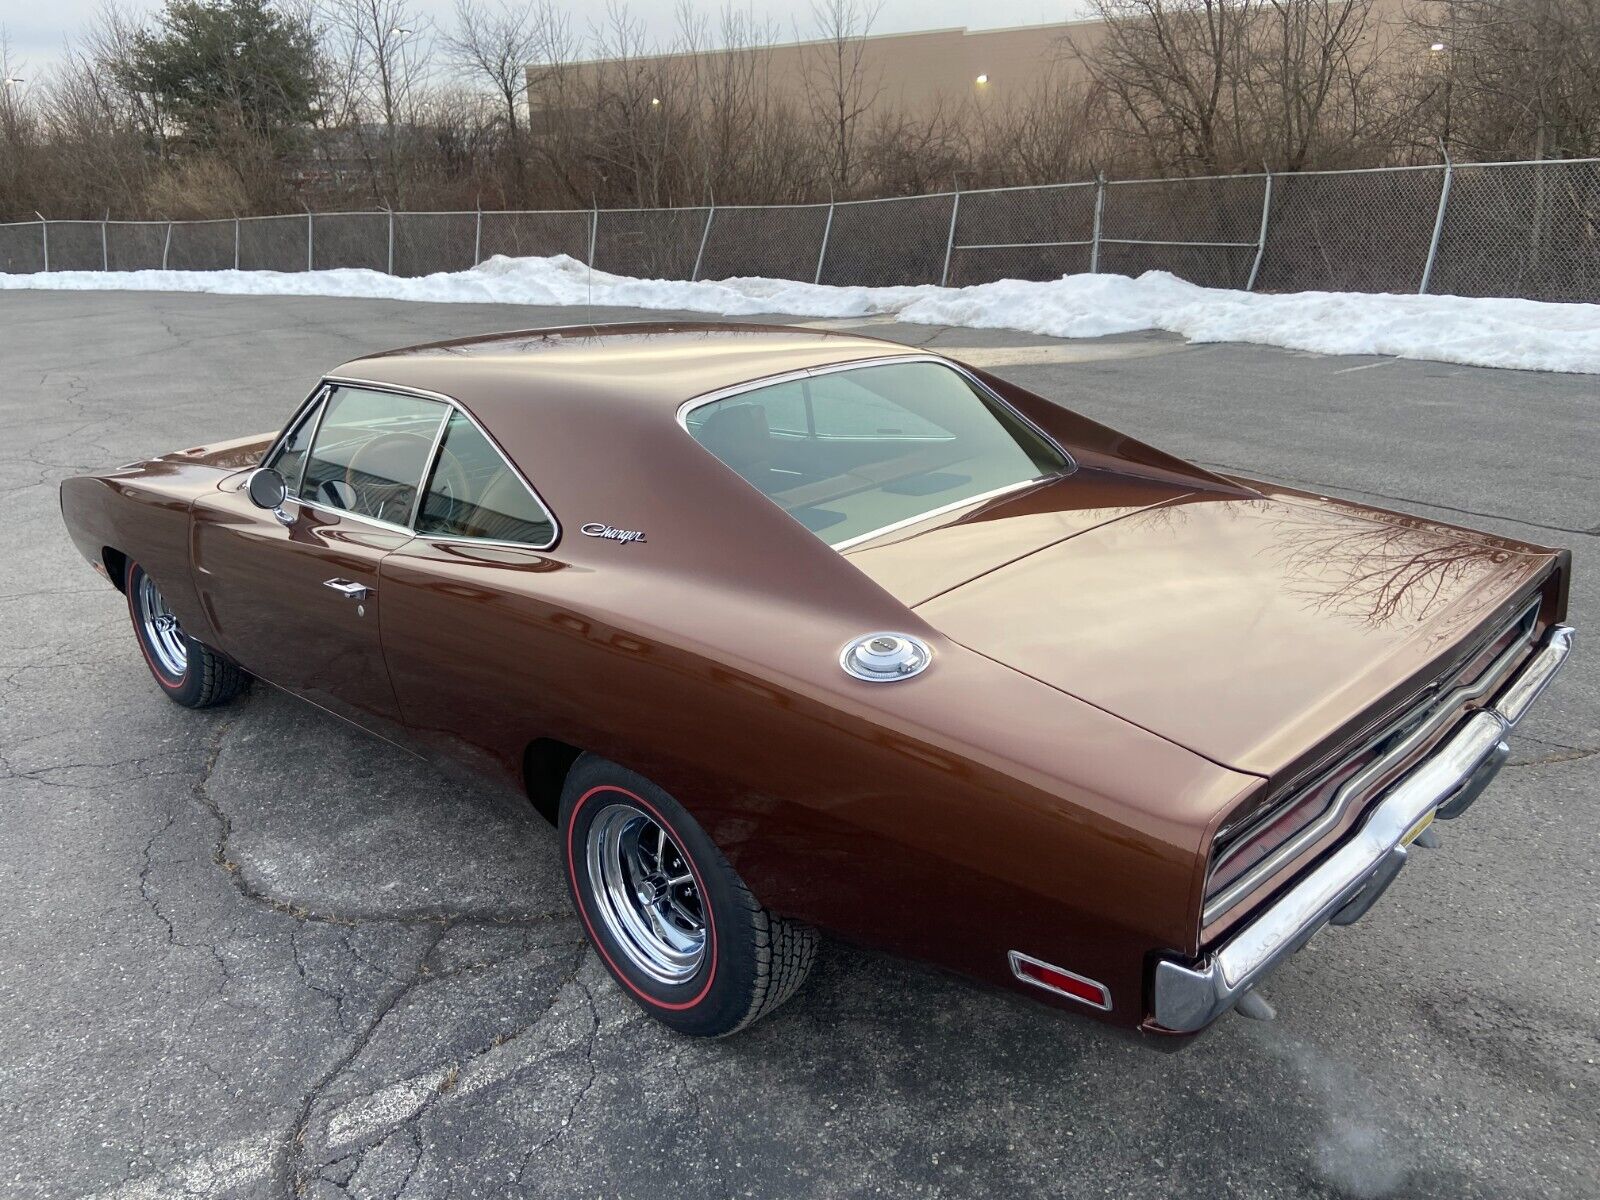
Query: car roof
{"x": 635, "y": 366}
{"x": 588, "y": 414}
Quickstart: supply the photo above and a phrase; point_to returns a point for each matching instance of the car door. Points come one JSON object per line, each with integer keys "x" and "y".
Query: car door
{"x": 294, "y": 596}
{"x": 477, "y": 623}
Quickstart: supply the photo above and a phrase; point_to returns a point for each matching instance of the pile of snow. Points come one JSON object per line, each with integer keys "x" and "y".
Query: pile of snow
{"x": 1484, "y": 332}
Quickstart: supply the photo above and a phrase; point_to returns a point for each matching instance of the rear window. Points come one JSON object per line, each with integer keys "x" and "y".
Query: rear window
{"x": 849, "y": 453}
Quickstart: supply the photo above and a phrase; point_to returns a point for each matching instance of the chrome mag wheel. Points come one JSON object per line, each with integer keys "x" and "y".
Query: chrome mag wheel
{"x": 646, "y": 893}
{"x": 161, "y": 630}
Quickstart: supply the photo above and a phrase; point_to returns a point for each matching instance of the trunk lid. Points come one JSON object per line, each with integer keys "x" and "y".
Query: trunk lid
{"x": 1249, "y": 629}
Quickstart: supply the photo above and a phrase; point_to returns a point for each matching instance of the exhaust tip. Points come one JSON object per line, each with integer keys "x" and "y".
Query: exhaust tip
{"x": 1254, "y": 1006}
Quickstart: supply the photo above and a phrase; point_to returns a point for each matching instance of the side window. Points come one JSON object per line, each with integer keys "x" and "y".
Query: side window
{"x": 472, "y": 493}
{"x": 290, "y": 458}
{"x": 370, "y": 452}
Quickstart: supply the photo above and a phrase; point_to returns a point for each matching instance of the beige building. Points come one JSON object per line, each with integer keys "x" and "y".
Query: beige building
{"x": 909, "y": 72}
{"x": 912, "y": 72}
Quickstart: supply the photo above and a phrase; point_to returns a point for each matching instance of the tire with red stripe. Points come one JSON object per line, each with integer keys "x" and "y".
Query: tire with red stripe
{"x": 669, "y": 917}
{"x": 189, "y": 672}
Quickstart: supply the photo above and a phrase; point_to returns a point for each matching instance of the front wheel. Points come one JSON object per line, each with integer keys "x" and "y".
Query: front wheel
{"x": 191, "y": 674}
{"x": 671, "y": 919}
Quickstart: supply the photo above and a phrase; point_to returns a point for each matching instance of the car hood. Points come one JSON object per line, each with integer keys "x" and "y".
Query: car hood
{"x": 1250, "y": 628}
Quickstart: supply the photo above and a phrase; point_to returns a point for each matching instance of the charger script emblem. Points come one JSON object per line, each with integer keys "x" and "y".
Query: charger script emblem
{"x": 600, "y": 529}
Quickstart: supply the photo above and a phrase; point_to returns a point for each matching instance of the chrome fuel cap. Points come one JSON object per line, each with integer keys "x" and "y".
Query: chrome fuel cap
{"x": 885, "y": 657}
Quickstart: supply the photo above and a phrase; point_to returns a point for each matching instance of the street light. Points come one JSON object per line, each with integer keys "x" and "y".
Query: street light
{"x": 14, "y": 81}
{"x": 655, "y": 101}
{"x": 1437, "y": 48}
{"x": 983, "y": 79}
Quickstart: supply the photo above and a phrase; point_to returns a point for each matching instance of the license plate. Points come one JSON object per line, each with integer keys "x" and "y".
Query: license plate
{"x": 1415, "y": 831}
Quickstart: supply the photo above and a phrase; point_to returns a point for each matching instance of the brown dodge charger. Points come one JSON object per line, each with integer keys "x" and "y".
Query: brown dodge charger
{"x": 788, "y": 630}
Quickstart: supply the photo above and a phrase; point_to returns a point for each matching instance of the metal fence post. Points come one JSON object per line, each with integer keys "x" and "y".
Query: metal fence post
{"x": 1438, "y": 221}
{"x": 477, "y": 237}
{"x": 166, "y": 246}
{"x": 823, "y": 253}
{"x": 390, "y": 260}
{"x": 1099, "y": 207}
{"x": 44, "y": 238}
{"x": 310, "y": 239}
{"x": 1261, "y": 238}
{"x": 594, "y": 229}
{"x": 950, "y": 240}
{"x": 711, "y": 214}
{"x": 236, "y": 243}
{"x": 105, "y": 247}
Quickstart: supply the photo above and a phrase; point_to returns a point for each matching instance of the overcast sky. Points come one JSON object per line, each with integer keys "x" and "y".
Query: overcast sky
{"x": 37, "y": 30}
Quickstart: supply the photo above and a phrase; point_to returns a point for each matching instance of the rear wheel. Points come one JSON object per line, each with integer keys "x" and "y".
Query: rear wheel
{"x": 190, "y": 673}
{"x": 671, "y": 919}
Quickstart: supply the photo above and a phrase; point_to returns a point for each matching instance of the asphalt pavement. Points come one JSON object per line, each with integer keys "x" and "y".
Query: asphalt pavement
{"x": 250, "y": 952}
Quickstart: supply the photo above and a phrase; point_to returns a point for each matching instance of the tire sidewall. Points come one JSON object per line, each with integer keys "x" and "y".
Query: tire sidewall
{"x": 717, "y": 996}
{"x": 185, "y": 689}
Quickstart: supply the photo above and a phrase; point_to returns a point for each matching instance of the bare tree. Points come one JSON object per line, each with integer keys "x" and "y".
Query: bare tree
{"x": 379, "y": 59}
{"x": 498, "y": 45}
{"x": 1169, "y": 70}
{"x": 913, "y": 153}
{"x": 731, "y": 80}
{"x": 20, "y": 132}
{"x": 1044, "y": 135}
{"x": 636, "y": 114}
{"x": 1506, "y": 80}
{"x": 1312, "y": 80}
{"x": 840, "y": 83}
{"x": 1214, "y": 85}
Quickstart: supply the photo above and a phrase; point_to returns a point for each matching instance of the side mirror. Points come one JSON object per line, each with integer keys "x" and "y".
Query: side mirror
{"x": 268, "y": 490}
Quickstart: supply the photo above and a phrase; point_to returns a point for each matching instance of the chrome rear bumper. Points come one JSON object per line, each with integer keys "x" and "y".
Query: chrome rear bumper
{"x": 1188, "y": 997}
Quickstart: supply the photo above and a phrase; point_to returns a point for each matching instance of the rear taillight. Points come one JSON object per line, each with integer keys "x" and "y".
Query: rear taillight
{"x": 1262, "y": 831}
{"x": 1273, "y": 827}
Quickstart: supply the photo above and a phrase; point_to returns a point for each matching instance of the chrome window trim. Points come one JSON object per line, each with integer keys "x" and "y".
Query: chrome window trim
{"x": 428, "y": 466}
{"x": 906, "y": 523}
{"x": 331, "y": 385}
{"x": 379, "y": 522}
{"x": 1443, "y": 710}
{"x": 860, "y": 364}
{"x": 455, "y": 539}
{"x": 299, "y": 414}
{"x": 317, "y": 413}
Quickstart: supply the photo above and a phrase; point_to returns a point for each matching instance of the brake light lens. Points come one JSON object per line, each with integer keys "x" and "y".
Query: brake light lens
{"x": 1271, "y": 833}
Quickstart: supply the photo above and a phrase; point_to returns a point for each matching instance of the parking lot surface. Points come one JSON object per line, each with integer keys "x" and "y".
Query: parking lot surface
{"x": 250, "y": 952}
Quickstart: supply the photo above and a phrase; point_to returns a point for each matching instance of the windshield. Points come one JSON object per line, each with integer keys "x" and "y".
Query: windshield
{"x": 849, "y": 453}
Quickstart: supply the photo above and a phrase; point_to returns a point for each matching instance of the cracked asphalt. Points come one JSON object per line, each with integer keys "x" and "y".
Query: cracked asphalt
{"x": 250, "y": 952}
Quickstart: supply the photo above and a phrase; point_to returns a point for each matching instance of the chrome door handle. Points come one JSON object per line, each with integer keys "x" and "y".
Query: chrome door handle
{"x": 347, "y": 589}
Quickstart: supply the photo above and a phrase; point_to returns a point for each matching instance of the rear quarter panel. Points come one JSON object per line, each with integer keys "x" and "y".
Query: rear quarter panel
{"x": 950, "y": 818}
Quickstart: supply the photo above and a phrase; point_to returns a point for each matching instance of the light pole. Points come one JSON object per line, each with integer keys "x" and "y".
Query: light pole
{"x": 1439, "y": 52}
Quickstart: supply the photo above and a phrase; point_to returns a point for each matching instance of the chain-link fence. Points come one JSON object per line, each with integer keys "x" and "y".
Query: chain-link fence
{"x": 1529, "y": 229}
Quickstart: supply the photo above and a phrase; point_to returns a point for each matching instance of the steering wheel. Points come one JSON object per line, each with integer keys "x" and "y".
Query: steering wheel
{"x": 449, "y": 481}
{"x": 379, "y": 497}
